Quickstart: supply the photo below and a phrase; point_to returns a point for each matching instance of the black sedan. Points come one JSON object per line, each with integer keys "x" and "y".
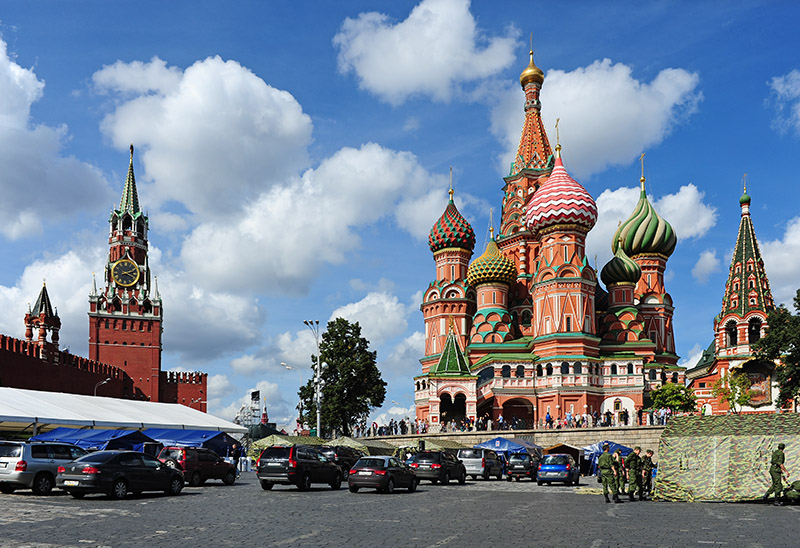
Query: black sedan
{"x": 438, "y": 466}
{"x": 117, "y": 473}
{"x": 381, "y": 473}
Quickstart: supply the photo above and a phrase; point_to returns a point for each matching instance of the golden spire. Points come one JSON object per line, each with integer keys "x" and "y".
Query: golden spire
{"x": 451, "y": 183}
{"x": 532, "y": 74}
{"x": 641, "y": 180}
{"x": 558, "y": 140}
{"x": 491, "y": 224}
{"x": 744, "y": 182}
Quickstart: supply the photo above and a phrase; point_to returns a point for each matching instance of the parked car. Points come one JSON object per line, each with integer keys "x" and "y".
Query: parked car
{"x": 558, "y": 467}
{"x": 299, "y": 465}
{"x": 342, "y": 455}
{"x": 382, "y": 473}
{"x": 33, "y": 465}
{"x": 198, "y": 464}
{"x": 481, "y": 462}
{"x": 438, "y": 466}
{"x": 522, "y": 465}
{"x": 117, "y": 473}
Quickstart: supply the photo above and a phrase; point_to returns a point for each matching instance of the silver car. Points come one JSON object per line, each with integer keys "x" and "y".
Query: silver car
{"x": 33, "y": 465}
{"x": 481, "y": 462}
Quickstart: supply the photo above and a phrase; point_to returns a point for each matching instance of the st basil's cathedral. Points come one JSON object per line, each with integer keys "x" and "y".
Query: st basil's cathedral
{"x": 526, "y": 329}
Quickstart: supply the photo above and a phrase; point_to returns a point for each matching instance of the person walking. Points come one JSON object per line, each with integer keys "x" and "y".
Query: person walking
{"x": 619, "y": 471}
{"x": 634, "y": 465}
{"x": 776, "y": 470}
{"x": 647, "y": 472}
{"x": 608, "y": 474}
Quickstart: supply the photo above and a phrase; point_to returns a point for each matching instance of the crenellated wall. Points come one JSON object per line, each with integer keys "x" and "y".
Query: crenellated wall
{"x": 187, "y": 388}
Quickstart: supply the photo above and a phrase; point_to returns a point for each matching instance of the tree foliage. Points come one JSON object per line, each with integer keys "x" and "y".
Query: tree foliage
{"x": 352, "y": 381}
{"x": 675, "y": 396}
{"x": 782, "y": 344}
{"x": 733, "y": 389}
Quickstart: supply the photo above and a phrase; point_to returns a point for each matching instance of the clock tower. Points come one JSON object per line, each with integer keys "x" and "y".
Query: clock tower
{"x": 125, "y": 315}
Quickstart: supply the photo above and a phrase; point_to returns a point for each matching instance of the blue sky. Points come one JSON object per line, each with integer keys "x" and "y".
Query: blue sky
{"x": 293, "y": 157}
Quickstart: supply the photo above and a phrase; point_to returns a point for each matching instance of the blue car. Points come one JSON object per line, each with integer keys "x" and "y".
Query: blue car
{"x": 558, "y": 467}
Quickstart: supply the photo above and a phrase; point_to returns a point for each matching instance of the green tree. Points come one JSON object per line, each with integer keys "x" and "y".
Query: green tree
{"x": 352, "y": 381}
{"x": 781, "y": 344}
{"x": 733, "y": 389}
{"x": 675, "y": 396}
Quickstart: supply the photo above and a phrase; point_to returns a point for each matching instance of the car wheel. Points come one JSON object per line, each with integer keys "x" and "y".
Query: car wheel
{"x": 7, "y": 489}
{"x": 446, "y": 478}
{"x": 42, "y": 484}
{"x": 229, "y": 478}
{"x": 434, "y": 481}
{"x": 485, "y": 476}
{"x": 462, "y": 479}
{"x": 413, "y": 486}
{"x": 305, "y": 483}
{"x": 539, "y": 483}
{"x": 175, "y": 486}
{"x": 266, "y": 486}
{"x": 509, "y": 477}
{"x": 337, "y": 482}
{"x": 345, "y": 473}
{"x": 172, "y": 463}
{"x": 389, "y": 487}
{"x": 77, "y": 494}
{"x": 194, "y": 480}
{"x": 500, "y": 474}
{"x": 119, "y": 489}
{"x": 353, "y": 488}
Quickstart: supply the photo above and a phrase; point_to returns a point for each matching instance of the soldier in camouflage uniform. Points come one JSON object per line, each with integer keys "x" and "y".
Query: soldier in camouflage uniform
{"x": 776, "y": 469}
{"x": 634, "y": 465}
{"x": 605, "y": 463}
{"x": 619, "y": 471}
{"x": 647, "y": 472}
{"x": 792, "y": 493}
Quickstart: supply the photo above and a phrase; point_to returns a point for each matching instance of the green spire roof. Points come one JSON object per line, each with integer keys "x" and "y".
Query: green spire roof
{"x": 130, "y": 198}
{"x": 748, "y": 287}
{"x": 43, "y": 304}
{"x": 452, "y": 360}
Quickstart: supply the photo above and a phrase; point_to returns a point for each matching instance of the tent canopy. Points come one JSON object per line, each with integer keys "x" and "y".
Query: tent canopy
{"x": 98, "y": 439}
{"x": 219, "y": 442}
{"x": 723, "y": 458}
{"x": 592, "y": 452}
{"x": 280, "y": 439}
{"x": 35, "y": 411}
{"x": 507, "y": 446}
{"x": 564, "y": 448}
{"x": 367, "y": 446}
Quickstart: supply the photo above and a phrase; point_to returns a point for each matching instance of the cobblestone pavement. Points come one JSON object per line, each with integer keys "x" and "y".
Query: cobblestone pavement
{"x": 480, "y": 513}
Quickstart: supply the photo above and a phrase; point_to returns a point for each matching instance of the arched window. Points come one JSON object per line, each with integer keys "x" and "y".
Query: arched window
{"x": 417, "y": 385}
{"x": 630, "y": 369}
{"x": 485, "y": 375}
{"x": 613, "y": 369}
{"x": 674, "y": 378}
{"x": 549, "y": 369}
{"x": 526, "y": 317}
{"x": 754, "y": 330}
{"x": 578, "y": 368}
{"x": 730, "y": 332}
{"x": 652, "y": 375}
{"x": 520, "y": 373}
{"x": 506, "y": 371}
{"x": 538, "y": 370}
{"x": 564, "y": 368}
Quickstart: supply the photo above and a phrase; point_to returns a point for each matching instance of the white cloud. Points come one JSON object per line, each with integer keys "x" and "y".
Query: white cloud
{"x": 781, "y": 264}
{"x": 30, "y": 156}
{"x": 695, "y": 354}
{"x": 607, "y": 116}
{"x": 686, "y": 212}
{"x": 211, "y": 137}
{"x": 707, "y": 264}
{"x": 395, "y": 412}
{"x": 436, "y": 48}
{"x": 380, "y": 315}
{"x": 786, "y": 100}
{"x": 403, "y": 360}
{"x": 279, "y": 410}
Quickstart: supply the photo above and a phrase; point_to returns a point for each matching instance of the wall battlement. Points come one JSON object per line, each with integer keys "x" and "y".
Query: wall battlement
{"x": 185, "y": 377}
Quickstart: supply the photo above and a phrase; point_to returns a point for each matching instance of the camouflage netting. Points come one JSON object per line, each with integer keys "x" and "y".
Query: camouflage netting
{"x": 723, "y": 458}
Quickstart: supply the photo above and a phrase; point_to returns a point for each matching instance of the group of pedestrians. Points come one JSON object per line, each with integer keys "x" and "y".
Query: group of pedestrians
{"x": 635, "y": 470}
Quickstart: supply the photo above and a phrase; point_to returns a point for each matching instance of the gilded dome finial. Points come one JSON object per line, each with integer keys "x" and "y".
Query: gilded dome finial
{"x": 641, "y": 179}
{"x": 451, "y": 183}
{"x": 745, "y": 199}
{"x": 532, "y": 74}
{"x": 558, "y": 139}
{"x": 491, "y": 224}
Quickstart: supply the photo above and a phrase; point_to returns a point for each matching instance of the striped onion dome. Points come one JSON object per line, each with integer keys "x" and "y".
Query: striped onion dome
{"x": 451, "y": 230}
{"x": 490, "y": 267}
{"x": 621, "y": 269}
{"x": 560, "y": 200}
{"x": 645, "y": 232}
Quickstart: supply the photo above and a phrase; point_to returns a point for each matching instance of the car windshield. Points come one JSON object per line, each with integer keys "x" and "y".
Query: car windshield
{"x": 275, "y": 453}
{"x": 470, "y": 453}
{"x": 555, "y": 459}
{"x": 370, "y": 463}
{"x": 176, "y": 454}
{"x": 519, "y": 458}
{"x": 10, "y": 450}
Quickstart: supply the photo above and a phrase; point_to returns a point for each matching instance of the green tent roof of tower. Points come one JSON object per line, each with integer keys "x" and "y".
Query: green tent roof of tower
{"x": 43, "y": 304}
{"x": 452, "y": 360}
{"x": 129, "y": 202}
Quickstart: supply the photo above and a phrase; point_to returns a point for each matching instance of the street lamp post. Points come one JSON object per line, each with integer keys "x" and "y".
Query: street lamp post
{"x": 319, "y": 367}
{"x": 101, "y": 383}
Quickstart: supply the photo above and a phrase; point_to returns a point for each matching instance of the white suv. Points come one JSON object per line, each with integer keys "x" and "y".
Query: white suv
{"x": 33, "y": 465}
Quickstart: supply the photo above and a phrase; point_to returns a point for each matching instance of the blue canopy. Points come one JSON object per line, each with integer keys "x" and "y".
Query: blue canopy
{"x": 219, "y": 442}
{"x": 592, "y": 452}
{"x": 507, "y": 446}
{"x": 98, "y": 439}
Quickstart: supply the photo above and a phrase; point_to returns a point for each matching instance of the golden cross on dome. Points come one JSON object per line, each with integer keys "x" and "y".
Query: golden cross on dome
{"x": 641, "y": 159}
{"x": 451, "y": 183}
{"x": 744, "y": 182}
{"x": 491, "y": 224}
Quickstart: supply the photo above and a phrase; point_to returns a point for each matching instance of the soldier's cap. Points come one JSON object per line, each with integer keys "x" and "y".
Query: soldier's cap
{"x": 606, "y": 446}
{"x": 781, "y": 446}
{"x": 637, "y": 448}
{"x": 649, "y": 451}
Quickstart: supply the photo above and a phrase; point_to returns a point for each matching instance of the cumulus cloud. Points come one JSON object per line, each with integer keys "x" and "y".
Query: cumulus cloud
{"x": 380, "y": 315}
{"x": 434, "y": 50}
{"x": 211, "y": 136}
{"x": 31, "y": 156}
{"x": 706, "y": 265}
{"x": 695, "y": 354}
{"x": 785, "y": 98}
{"x": 685, "y": 210}
{"x": 279, "y": 410}
{"x": 403, "y": 360}
{"x": 781, "y": 265}
{"x": 607, "y": 116}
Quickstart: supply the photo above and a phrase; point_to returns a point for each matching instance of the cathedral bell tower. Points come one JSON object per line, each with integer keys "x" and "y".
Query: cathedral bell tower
{"x": 125, "y": 315}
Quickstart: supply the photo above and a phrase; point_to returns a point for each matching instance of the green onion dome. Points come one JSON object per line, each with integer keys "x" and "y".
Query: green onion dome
{"x": 451, "y": 230}
{"x": 620, "y": 269}
{"x": 645, "y": 232}
{"x": 490, "y": 267}
{"x": 745, "y": 199}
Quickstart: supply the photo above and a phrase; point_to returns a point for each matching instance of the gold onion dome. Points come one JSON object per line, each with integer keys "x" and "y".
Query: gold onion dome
{"x": 645, "y": 232}
{"x": 451, "y": 230}
{"x": 491, "y": 267}
{"x": 621, "y": 269}
{"x": 532, "y": 74}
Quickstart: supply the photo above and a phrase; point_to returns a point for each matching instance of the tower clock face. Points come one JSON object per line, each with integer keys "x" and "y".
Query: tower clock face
{"x": 125, "y": 272}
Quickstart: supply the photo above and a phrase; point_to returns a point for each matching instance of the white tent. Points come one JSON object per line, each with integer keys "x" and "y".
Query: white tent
{"x": 33, "y": 411}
